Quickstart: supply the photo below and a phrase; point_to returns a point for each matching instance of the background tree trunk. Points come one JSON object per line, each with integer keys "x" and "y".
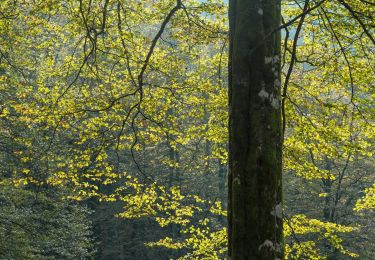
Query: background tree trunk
{"x": 255, "y": 138}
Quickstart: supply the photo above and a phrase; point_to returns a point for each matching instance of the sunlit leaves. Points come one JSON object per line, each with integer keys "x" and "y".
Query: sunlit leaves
{"x": 72, "y": 103}
{"x": 300, "y": 225}
{"x": 367, "y": 202}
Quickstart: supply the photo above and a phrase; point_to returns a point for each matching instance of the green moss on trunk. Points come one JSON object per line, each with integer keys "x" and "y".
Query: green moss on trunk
{"x": 255, "y": 221}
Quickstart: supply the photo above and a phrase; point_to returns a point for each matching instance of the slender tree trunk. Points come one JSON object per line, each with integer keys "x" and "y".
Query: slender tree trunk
{"x": 255, "y": 138}
{"x": 222, "y": 189}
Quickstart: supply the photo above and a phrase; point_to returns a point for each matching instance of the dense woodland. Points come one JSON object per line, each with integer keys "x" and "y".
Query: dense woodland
{"x": 114, "y": 126}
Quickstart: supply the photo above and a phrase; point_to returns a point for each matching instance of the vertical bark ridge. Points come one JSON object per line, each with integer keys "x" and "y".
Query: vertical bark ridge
{"x": 254, "y": 210}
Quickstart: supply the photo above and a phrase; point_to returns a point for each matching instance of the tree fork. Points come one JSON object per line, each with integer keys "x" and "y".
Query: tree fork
{"x": 255, "y": 133}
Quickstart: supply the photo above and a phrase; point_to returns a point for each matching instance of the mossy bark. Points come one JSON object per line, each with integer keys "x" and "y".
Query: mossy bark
{"x": 255, "y": 217}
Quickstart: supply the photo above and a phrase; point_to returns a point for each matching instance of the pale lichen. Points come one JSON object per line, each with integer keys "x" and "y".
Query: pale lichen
{"x": 273, "y": 60}
{"x": 268, "y": 60}
{"x": 277, "y": 211}
{"x": 263, "y": 94}
{"x": 237, "y": 181}
{"x": 275, "y": 102}
{"x": 277, "y": 83}
{"x": 267, "y": 243}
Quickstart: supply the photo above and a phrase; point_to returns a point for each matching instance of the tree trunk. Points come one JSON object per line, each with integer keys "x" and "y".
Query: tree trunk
{"x": 255, "y": 138}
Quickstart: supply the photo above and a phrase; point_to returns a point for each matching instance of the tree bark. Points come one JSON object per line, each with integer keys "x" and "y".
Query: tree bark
{"x": 255, "y": 138}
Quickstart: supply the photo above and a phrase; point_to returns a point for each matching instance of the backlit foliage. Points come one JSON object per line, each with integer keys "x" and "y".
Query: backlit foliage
{"x": 368, "y": 201}
{"x": 328, "y": 232}
{"x": 88, "y": 87}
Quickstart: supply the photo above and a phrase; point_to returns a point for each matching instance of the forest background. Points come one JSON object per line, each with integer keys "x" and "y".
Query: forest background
{"x": 113, "y": 129}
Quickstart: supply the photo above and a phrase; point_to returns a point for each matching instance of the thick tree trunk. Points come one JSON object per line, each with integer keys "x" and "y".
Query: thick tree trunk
{"x": 255, "y": 211}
